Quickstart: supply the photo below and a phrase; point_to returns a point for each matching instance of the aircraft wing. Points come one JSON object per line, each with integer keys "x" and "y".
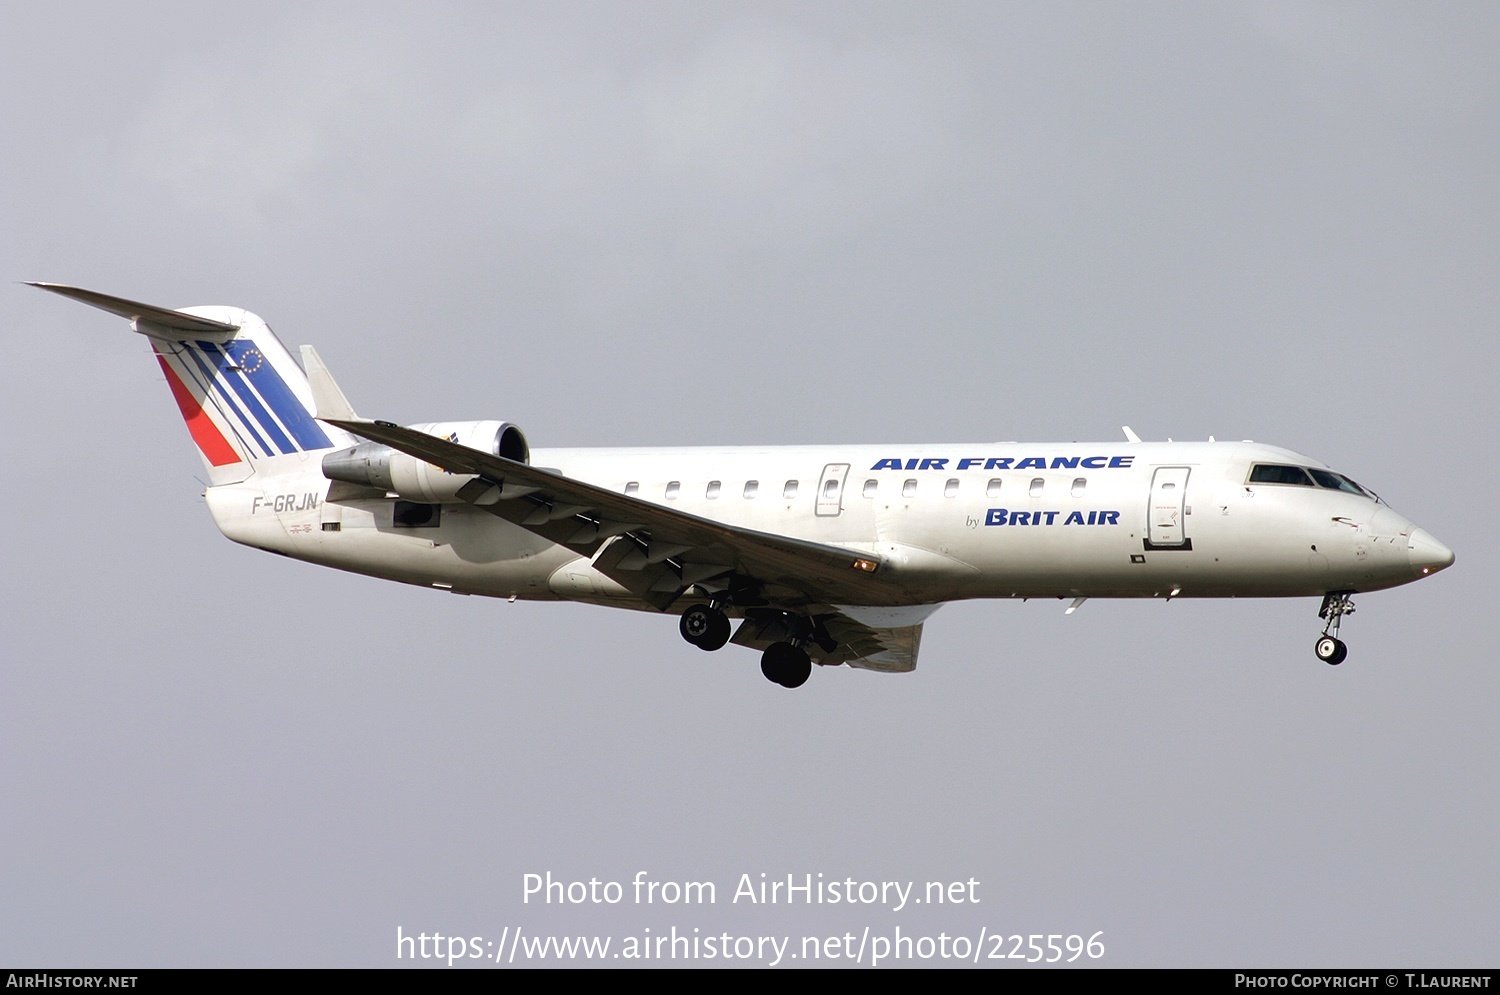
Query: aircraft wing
{"x": 655, "y": 552}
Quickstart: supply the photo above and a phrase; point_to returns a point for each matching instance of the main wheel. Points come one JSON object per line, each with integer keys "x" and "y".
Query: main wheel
{"x": 705, "y": 627}
{"x": 1331, "y": 651}
{"x": 798, "y": 670}
{"x": 718, "y": 633}
{"x": 786, "y": 665}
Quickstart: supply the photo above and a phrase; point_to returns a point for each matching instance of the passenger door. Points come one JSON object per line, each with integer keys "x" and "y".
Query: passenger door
{"x": 1166, "y": 527}
{"x": 831, "y": 489}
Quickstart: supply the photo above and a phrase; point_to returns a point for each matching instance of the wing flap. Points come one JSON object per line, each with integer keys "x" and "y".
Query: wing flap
{"x": 889, "y": 650}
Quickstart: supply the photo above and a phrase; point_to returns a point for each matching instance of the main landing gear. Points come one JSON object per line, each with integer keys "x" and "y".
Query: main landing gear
{"x": 784, "y": 663}
{"x": 705, "y": 626}
{"x": 1330, "y": 648}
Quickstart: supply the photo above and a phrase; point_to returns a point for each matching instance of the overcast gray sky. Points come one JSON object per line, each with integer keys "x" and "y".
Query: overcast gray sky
{"x": 661, "y": 224}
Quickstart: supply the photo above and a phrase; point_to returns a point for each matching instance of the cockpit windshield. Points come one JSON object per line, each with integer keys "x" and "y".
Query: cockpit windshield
{"x": 1336, "y": 481}
{"x": 1278, "y": 473}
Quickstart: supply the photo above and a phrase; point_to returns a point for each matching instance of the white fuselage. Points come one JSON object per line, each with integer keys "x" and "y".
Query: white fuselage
{"x": 989, "y": 520}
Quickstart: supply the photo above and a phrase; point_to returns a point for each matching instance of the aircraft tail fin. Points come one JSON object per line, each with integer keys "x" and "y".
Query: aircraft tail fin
{"x": 245, "y": 400}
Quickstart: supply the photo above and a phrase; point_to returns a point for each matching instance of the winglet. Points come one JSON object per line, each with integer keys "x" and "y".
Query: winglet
{"x": 327, "y": 398}
{"x": 136, "y": 311}
{"x": 1130, "y": 434}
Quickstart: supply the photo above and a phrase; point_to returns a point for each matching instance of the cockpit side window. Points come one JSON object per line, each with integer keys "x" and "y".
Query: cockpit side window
{"x": 1276, "y": 473}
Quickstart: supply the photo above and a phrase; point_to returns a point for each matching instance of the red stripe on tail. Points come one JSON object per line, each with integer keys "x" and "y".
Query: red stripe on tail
{"x": 205, "y": 433}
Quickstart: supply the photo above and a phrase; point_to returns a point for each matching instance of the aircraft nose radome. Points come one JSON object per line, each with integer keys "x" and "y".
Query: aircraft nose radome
{"x": 1428, "y": 556}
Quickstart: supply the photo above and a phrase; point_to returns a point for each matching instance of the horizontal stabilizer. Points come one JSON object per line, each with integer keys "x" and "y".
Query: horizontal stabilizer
{"x": 136, "y": 311}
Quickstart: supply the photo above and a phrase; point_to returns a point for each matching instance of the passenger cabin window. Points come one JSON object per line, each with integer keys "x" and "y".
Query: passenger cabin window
{"x": 1079, "y": 483}
{"x": 712, "y": 492}
{"x": 870, "y": 488}
{"x": 751, "y": 486}
{"x": 672, "y": 488}
{"x": 633, "y": 488}
{"x": 950, "y": 489}
{"x": 1275, "y": 473}
{"x": 909, "y": 489}
{"x": 1037, "y": 483}
{"x": 830, "y": 488}
{"x": 790, "y": 490}
{"x": 992, "y": 489}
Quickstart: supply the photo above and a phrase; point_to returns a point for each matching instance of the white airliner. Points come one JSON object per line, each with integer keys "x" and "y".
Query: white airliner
{"x": 827, "y": 554}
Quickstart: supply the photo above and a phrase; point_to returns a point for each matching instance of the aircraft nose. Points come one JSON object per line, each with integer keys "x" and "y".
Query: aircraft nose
{"x": 1428, "y": 556}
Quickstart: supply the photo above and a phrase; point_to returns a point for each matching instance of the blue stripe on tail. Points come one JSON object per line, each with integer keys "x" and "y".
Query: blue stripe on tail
{"x": 292, "y": 412}
{"x": 224, "y": 365}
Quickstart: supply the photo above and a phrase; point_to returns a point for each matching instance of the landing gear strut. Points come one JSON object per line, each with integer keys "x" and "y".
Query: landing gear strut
{"x": 786, "y": 664}
{"x": 705, "y": 626}
{"x": 1330, "y": 648}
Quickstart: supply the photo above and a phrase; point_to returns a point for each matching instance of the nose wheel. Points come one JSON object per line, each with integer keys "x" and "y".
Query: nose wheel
{"x": 1330, "y": 648}
{"x": 1331, "y": 651}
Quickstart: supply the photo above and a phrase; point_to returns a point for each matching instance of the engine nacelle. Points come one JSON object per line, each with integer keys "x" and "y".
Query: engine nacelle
{"x": 372, "y": 464}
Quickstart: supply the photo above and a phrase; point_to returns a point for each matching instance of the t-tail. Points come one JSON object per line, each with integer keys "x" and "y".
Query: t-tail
{"x": 247, "y": 404}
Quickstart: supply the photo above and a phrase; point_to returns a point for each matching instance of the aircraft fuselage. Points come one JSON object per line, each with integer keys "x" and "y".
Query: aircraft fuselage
{"x": 1178, "y": 519}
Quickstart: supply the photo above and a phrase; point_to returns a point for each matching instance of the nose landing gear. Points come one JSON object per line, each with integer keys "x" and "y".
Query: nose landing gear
{"x": 1331, "y": 651}
{"x": 1330, "y": 648}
